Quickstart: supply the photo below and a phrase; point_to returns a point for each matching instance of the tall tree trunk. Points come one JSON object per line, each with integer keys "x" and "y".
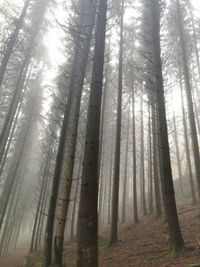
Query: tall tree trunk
{"x": 156, "y": 160}
{"x": 101, "y": 162}
{"x": 178, "y": 156}
{"x": 88, "y": 215}
{"x": 47, "y": 256}
{"x": 82, "y": 54}
{"x": 42, "y": 192}
{"x": 161, "y": 173}
{"x": 150, "y": 169}
{"x": 71, "y": 113}
{"x": 12, "y": 41}
{"x": 5, "y": 154}
{"x": 194, "y": 200}
{"x": 135, "y": 206}
{"x": 18, "y": 230}
{"x": 194, "y": 36}
{"x": 12, "y": 221}
{"x": 22, "y": 75}
{"x": 124, "y": 198}
{"x": 13, "y": 108}
{"x": 142, "y": 173}
{"x": 189, "y": 95}
{"x": 116, "y": 178}
{"x": 171, "y": 210}
{"x": 110, "y": 177}
{"x": 76, "y": 196}
{"x": 101, "y": 192}
{"x": 11, "y": 178}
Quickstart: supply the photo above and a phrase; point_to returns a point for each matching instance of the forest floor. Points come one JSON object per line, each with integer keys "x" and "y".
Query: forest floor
{"x": 145, "y": 244}
{"x": 15, "y": 259}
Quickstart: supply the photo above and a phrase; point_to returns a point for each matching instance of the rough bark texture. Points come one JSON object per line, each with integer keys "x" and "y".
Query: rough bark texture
{"x": 88, "y": 217}
{"x": 156, "y": 160}
{"x": 171, "y": 210}
{"x": 76, "y": 86}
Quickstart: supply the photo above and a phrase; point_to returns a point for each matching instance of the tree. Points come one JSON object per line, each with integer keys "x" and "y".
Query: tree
{"x": 68, "y": 136}
{"x": 124, "y": 199}
{"x": 171, "y": 210}
{"x": 82, "y": 43}
{"x": 88, "y": 217}
{"x": 12, "y": 40}
{"x": 194, "y": 200}
{"x": 188, "y": 89}
{"x": 116, "y": 175}
{"x": 142, "y": 174}
{"x": 36, "y": 21}
{"x": 135, "y": 206}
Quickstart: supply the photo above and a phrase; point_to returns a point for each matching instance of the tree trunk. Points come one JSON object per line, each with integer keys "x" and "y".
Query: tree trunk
{"x": 44, "y": 181}
{"x": 194, "y": 200}
{"x": 171, "y": 210}
{"x": 12, "y": 40}
{"x": 110, "y": 177}
{"x": 116, "y": 178}
{"x": 189, "y": 96}
{"x": 135, "y": 206}
{"x": 76, "y": 196}
{"x": 150, "y": 169}
{"x": 124, "y": 199}
{"x": 88, "y": 215}
{"x": 13, "y": 108}
{"x": 156, "y": 161}
{"x": 22, "y": 76}
{"x": 10, "y": 139}
{"x": 178, "y": 156}
{"x": 81, "y": 59}
{"x": 11, "y": 178}
{"x": 142, "y": 173}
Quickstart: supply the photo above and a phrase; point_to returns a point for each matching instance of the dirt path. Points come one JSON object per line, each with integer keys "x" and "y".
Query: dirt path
{"x": 15, "y": 259}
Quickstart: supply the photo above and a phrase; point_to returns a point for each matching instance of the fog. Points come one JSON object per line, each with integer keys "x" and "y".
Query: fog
{"x": 99, "y": 129}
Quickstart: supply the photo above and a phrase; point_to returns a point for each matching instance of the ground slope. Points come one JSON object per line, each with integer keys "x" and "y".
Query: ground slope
{"x": 15, "y": 259}
{"x": 145, "y": 244}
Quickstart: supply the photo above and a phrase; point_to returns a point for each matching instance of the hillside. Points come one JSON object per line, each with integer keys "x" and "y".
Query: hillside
{"x": 146, "y": 245}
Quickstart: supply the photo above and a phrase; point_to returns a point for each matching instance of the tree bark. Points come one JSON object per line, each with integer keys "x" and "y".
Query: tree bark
{"x": 194, "y": 200}
{"x": 150, "y": 168}
{"x": 156, "y": 160}
{"x": 176, "y": 240}
{"x": 124, "y": 199}
{"x": 188, "y": 89}
{"x": 135, "y": 206}
{"x": 88, "y": 215}
{"x": 81, "y": 60}
{"x": 116, "y": 178}
{"x": 178, "y": 156}
{"x": 142, "y": 172}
